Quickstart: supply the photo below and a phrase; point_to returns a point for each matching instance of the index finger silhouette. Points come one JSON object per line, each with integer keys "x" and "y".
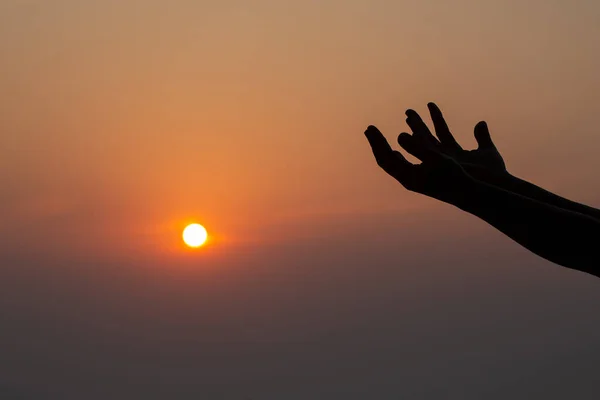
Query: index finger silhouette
{"x": 441, "y": 127}
{"x": 378, "y": 142}
{"x": 419, "y": 128}
{"x": 391, "y": 161}
{"x": 384, "y": 155}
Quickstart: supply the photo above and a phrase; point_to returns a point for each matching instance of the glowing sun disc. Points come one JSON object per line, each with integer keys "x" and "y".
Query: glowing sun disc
{"x": 195, "y": 235}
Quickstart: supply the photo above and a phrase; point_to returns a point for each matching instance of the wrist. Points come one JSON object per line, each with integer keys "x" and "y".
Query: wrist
{"x": 465, "y": 197}
{"x": 492, "y": 177}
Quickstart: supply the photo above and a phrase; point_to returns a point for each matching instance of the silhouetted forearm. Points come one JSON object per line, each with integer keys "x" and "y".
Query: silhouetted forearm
{"x": 511, "y": 183}
{"x": 565, "y": 237}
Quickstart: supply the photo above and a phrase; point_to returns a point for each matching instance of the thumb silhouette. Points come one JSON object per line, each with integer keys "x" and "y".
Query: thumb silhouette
{"x": 482, "y": 135}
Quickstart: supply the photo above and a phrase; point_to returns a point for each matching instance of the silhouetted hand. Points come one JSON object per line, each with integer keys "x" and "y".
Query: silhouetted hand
{"x": 477, "y": 182}
{"x": 484, "y": 163}
{"x": 438, "y": 176}
{"x": 484, "y": 160}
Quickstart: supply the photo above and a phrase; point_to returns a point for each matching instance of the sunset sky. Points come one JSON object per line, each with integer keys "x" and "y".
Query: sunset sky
{"x": 121, "y": 121}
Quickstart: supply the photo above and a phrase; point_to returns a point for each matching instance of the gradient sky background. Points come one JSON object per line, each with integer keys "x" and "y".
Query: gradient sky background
{"x": 121, "y": 121}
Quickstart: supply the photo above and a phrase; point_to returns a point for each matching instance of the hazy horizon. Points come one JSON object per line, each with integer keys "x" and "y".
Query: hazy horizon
{"x": 122, "y": 121}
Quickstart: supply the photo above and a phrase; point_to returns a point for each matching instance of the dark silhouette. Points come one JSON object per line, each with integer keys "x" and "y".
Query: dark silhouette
{"x": 476, "y": 181}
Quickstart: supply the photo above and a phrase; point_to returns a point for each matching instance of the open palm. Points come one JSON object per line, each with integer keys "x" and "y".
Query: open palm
{"x": 437, "y": 176}
{"x": 484, "y": 160}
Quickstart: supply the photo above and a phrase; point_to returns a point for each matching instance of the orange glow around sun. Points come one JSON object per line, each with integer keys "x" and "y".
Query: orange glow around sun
{"x": 195, "y": 235}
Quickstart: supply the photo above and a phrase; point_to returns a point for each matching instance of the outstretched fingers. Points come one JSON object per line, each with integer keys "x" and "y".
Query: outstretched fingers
{"x": 441, "y": 127}
{"x": 483, "y": 137}
{"x": 414, "y": 146}
{"x": 419, "y": 128}
{"x": 389, "y": 160}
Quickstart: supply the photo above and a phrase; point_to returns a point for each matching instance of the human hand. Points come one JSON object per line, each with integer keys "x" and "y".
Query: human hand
{"x": 438, "y": 175}
{"x": 481, "y": 162}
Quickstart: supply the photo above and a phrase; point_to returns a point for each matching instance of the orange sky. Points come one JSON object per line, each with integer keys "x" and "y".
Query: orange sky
{"x": 142, "y": 114}
{"x": 123, "y": 120}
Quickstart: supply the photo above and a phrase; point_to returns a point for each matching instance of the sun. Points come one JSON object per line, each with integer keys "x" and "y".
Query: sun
{"x": 195, "y": 235}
